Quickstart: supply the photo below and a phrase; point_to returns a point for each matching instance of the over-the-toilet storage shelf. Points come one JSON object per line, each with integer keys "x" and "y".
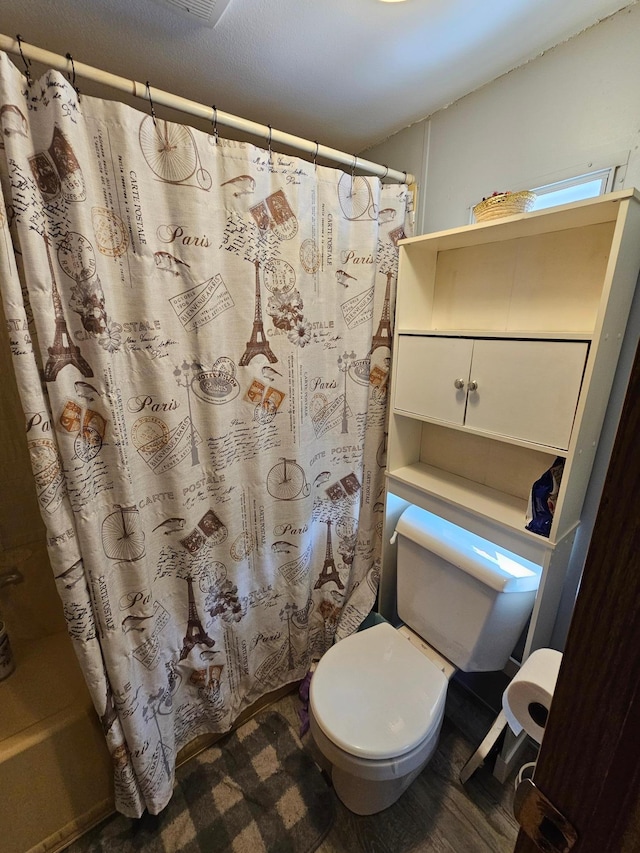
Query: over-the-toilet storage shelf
{"x": 532, "y": 310}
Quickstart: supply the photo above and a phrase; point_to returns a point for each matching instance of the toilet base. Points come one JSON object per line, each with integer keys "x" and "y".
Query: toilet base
{"x": 364, "y": 797}
{"x": 369, "y": 786}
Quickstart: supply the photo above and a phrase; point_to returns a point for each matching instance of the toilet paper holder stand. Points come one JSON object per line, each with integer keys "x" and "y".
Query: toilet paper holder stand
{"x": 508, "y": 757}
{"x": 516, "y": 739}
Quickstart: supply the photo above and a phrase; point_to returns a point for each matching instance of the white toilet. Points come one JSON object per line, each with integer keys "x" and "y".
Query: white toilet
{"x": 376, "y": 700}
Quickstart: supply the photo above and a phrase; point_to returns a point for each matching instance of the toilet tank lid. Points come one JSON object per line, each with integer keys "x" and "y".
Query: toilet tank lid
{"x": 496, "y": 567}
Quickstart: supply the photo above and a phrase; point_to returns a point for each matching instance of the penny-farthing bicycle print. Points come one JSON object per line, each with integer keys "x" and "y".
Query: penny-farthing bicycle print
{"x": 171, "y": 153}
{"x": 122, "y": 535}
{"x": 356, "y": 198}
{"x": 286, "y": 481}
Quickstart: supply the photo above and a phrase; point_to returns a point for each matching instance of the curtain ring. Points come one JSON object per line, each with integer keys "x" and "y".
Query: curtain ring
{"x": 405, "y": 177}
{"x": 153, "y": 112}
{"x": 315, "y": 156}
{"x": 269, "y": 142}
{"x": 386, "y": 172}
{"x": 353, "y": 167}
{"x": 27, "y": 62}
{"x": 72, "y": 76}
{"x": 215, "y": 123}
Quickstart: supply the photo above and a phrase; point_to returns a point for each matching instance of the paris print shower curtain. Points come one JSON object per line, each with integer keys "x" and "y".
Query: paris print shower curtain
{"x": 200, "y": 332}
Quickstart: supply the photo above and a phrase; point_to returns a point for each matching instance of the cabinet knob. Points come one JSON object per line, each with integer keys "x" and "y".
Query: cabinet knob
{"x": 472, "y": 386}
{"x": 459, "y": 384}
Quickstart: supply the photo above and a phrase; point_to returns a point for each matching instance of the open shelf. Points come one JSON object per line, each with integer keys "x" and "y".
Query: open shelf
{"x": 546, "y": 284}
{"x": 505, "y": 509}
{"x": 492, "y": 436}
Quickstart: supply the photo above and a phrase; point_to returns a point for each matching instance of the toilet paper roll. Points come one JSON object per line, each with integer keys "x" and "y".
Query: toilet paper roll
{"x": 527, "y": 699}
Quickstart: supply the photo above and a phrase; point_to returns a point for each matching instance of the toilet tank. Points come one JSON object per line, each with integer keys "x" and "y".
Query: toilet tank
{"x": 466, "y": 596}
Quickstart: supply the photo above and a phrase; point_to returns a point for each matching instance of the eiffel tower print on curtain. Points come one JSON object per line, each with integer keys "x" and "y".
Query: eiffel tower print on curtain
{"x": 329, "y": 571}
{"x": 63, "y": 351}
{"x": 258, "y": 343}
{"x": 195, "y": 634}
{"x": 383, "y": 335}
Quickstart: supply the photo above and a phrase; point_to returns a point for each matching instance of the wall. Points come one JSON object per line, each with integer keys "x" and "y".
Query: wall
{"x": 570, "y": 111}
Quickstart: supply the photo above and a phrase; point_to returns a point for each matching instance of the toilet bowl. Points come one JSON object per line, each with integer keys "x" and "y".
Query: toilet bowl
{"x": 376, "y": 700}
{"x": 376, "y": 705}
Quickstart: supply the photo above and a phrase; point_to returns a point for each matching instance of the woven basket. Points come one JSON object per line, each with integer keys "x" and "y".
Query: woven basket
{"x": 505, "y": 204}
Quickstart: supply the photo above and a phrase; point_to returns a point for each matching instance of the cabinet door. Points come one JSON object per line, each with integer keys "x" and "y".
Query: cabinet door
{"x": 526, "y": 389}
{"x": 428, "y": 371}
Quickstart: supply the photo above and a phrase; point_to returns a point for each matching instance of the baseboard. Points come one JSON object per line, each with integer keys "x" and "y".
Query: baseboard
{"x": 69, "y": 833}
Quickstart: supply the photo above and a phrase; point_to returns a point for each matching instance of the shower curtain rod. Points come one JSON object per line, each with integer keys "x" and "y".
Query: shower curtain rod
{"x": 69, "y": 66}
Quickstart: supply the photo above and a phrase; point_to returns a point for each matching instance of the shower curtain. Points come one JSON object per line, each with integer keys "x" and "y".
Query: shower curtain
{"x": 200, "y": 331}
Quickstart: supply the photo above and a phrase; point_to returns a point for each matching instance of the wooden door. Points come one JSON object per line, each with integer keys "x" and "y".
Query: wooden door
{"x": 589, "y": 762}
{"x": 428, "y": 371}
{"x": 526, "y": 389}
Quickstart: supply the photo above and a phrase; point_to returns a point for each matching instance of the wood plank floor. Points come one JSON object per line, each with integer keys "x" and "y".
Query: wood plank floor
{"x": 437, "y": 814}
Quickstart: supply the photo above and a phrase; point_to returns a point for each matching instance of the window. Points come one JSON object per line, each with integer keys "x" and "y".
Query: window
{"x": 573, "y": 189}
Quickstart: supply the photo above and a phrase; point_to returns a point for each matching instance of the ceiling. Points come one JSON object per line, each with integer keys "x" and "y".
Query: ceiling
{"x": 348, "y": 73}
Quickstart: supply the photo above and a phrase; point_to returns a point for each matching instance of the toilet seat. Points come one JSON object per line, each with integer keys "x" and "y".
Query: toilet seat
{"x": 375, "y": 696}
